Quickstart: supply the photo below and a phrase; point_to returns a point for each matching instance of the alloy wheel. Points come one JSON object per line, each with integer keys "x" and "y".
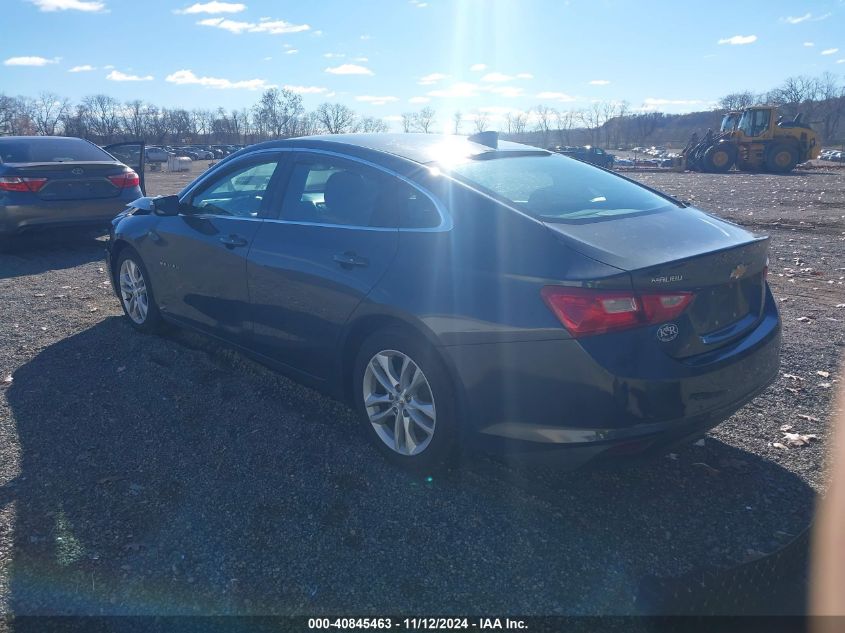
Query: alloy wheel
{"x": 133, "y": 291}
{"x": 399, "y": 402}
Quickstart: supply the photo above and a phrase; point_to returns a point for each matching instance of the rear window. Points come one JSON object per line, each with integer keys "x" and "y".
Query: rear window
{"x": 558, "y": 189}
{"x": 49, "y": 150}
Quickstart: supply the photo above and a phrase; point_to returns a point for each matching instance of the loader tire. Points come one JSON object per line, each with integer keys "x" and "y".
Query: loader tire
{"x": 719, "y": 158}
{"x": 781, "y": 158}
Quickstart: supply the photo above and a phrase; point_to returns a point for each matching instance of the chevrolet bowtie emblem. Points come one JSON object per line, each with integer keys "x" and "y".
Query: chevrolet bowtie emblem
{"x": 739, "y": 271}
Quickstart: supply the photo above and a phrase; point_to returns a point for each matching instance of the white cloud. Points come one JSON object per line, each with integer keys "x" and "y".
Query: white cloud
{"x": 431, "y": 78}
{"x": 89, "y": 6}
{"x": 419, "y": 100}
{"x": 456, "y": 91}
{"x": 799, "y": 19}
{"x": 267, "y": 59}
{"x": 807, "y": 17}
{"x": 738, "y": 40}
{"x": 212, "y": 7}
{"x": 81, "y": 69}
{"x": 556, "y": 96}
{"x": 292, "y": 51}
{"x": 361, "y": 59}
{"x": 331, "y": 55}
{"x": 808, "y": 44}
{"x": 840, "y": 61}
{"x": 305, "y": 90}
{"x": 116, "y": 75}
{"x": 497, "y": 77}
{"x": 599, "y": 82}
{"x": 33, "y": 60}
{"x": 366, "y": 37}
{"x": 506, "y": 91}
{"x": 524, "y": 76}
{"x": 273, "y": 27}
{"x": 349, "y": 69}
{"x": 108, "y": 66}
{"x": 376, "y": 100}
{"x": 477, "y": 68}
{"x": 830, "y": 51}
{"x": 187, "y": 77}
{"x": 419, "y": 4}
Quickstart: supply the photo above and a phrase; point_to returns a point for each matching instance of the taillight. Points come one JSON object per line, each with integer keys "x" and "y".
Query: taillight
{"x": 14, "y": 183}
{"x": 125, "y": 180}
{"x": 585, "y": 311}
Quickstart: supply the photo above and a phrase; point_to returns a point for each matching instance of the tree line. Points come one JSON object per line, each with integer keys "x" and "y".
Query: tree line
{"x": 279, "y": 113}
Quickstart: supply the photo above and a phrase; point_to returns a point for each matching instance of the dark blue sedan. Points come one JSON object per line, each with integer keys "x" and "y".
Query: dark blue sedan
{"x": 463, "y": 292}
{"x": 56, "y": 181}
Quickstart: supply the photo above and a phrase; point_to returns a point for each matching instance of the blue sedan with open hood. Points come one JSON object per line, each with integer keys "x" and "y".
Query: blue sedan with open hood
{"x": 463, "y": 292}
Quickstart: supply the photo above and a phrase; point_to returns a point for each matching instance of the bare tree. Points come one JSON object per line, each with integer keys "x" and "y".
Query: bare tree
{"x": 48, "y": 111}
{"x": 371, "y": 124}
{"x": 336, "y": 118}
{"x": 457, "y": 119}
{"x": 424, "y": 119}
{"x": 738, "y": 100}
{"x": 102, "y": 117}
{"x": 482, "y": 120}
{"x": 276, "y": 112}
{"x": 544, "y": 116}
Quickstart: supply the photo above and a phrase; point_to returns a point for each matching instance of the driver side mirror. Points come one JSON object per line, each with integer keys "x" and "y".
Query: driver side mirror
{"x": 167, "y": 205}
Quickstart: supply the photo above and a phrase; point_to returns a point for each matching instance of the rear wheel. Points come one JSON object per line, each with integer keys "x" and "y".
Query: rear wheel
{"x": 719, "y": 158}
{"x": 405, "y": 400}
{"x": 136, "y": 293}
{"x": 781, "y": 158}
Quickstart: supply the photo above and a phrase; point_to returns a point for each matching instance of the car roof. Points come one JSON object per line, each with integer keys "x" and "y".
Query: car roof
{"x": 415, "y": 147}
{"x": 42, "y": 139}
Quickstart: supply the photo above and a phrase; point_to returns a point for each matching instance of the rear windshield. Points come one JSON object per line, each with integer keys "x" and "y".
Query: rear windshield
{"x": 49, "y": 150}
{"x": 558, "y": 189}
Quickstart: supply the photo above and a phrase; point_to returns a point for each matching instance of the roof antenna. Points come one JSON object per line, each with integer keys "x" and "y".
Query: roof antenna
{"x": 488, "y": 139}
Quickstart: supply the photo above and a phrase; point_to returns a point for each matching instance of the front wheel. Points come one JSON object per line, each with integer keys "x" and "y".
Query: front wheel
{"x": 136, "y": 293}
{"x": 405, "y": 400}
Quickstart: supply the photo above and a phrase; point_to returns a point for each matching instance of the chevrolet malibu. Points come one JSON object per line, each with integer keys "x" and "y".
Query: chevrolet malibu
{"x": 462, "y": 292}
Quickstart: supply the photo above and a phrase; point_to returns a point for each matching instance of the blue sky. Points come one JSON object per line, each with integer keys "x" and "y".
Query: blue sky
{"x": 385, "y": 57}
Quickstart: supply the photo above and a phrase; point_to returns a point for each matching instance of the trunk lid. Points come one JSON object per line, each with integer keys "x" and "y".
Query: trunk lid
{"x": 684, "y": 250}
{"x": 71, "y": 180}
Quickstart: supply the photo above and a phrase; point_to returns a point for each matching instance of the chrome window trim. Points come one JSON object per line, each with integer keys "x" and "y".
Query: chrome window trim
{"x": 446, "y": 223}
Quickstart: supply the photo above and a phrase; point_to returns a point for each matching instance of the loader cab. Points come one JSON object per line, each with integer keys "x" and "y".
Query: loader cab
{"x": 756, "y": 122}
{"x": 730, "y": 121}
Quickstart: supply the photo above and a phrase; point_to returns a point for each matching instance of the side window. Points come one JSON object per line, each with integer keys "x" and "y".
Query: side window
{"x": 334, "y": 191}
{"x": 416, "y": 210}
{"x": 238, "y": 193}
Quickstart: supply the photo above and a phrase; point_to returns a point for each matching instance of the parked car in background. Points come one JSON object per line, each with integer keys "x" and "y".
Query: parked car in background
{"x": 463, "y": 291}
{"x": 589, "y": 154}
{"x": 202, "y": 154}
{"x": 157, "y": 155}
{"x": 51, "y": 181}
{"x": 186, "y": 153}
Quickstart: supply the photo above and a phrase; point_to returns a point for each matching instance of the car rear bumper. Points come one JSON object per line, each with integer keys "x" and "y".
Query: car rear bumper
{"x": 15, "y": 218}
{"x": 534, "y": 397}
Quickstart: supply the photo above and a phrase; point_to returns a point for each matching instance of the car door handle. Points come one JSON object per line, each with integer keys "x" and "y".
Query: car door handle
{"x": 232, "y": 241}
{"x": 349, "y": 259}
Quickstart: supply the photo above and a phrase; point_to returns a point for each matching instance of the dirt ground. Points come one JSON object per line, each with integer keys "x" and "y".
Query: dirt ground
{"x": 167, "y": 475}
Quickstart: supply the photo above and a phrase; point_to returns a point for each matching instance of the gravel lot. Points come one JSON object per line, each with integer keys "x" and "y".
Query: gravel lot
{"x": 157, "y": 475}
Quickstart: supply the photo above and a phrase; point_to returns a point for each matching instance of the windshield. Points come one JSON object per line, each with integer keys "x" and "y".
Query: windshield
{"x": 50, "y": 150}
{"x": 729, "y": 122}
{"x": 558, "y": 189}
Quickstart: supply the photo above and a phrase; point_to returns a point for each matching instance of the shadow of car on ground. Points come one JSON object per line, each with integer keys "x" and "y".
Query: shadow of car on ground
{"x": 167, "y": 475}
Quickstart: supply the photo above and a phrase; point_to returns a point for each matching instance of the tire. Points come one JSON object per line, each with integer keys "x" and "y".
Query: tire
{"x": 719, "y": 158}
{"x": 432, "y": 395}
{"x": 781, "y": 158}
{"x": 131, "y": 276}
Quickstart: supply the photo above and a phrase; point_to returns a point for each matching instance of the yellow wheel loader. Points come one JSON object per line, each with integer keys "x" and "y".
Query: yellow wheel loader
{"x": 755, "y": 139}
